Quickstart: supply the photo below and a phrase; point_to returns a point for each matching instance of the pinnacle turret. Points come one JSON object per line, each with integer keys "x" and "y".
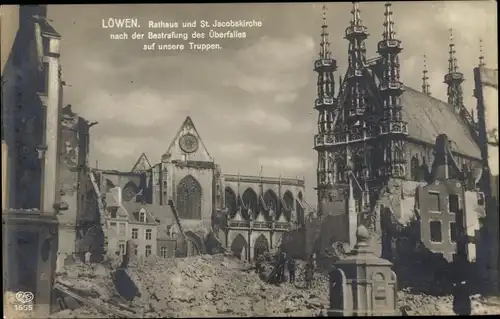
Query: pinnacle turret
{"x": 425, "y": 78}
{"x": 325, "y": 44}
{"x": 389, "y": 33}
{"x": 326, "y": 105}
{"x": 454, "y": 78}
{"x": 391, "y": 89}
{"x": 481, "y": 56}
{"x": 325, "y": 66}
{"x": 356, "y": 15}
{"x": 356, "y": 33}
{"x": 452, "y": 60}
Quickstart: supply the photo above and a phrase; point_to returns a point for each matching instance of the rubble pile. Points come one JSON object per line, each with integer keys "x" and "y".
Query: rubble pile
{"x": 207, "y": 285}
{"x": 216, "y": 285}
{"x": 428, "y": 305}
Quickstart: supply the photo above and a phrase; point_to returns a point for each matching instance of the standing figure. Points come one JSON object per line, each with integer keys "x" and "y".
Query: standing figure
{"x": 282, "y": 264}
{"x": 291, "y": 270}
{"x": 461, "y": 285}
{"x": 87, "y": 257}
{"x": 309, "y": 273}
{"x": 461, "y": 298}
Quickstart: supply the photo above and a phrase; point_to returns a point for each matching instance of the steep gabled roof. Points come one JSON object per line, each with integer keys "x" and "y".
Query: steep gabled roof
{"x": 187, "y": 125}
{"x": 142, "y": 164}
{"x": 428, "y": 117}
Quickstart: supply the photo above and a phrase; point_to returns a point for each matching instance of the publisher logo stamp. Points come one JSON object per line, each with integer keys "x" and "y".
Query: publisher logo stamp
{"x": 25, "y": 298}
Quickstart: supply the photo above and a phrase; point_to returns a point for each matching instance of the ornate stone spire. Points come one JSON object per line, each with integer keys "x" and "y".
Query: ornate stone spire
{"x": 356, "y": 14}
{"x": 425, "y": 78}
{"x": 391, "y": 89}
{"x": 454, "y": 78}
{"x": 325, "y": 44}
{"x": 325, "y": 104}
{"x": 356, "y": 33}
{"x": 389, "y": 33}
{"x": 481, "y": 56}
{"x": 452, "y": 60}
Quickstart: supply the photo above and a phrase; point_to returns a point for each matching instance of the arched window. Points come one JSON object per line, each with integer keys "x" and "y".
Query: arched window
{"x": 129, "y": 191}
{"x": 288, "y": 199}
{"x": 261, "y": 246}
{"x": 300, "y": 213}
{"x": 249, "y": 199}
{"x": 239, "y": 247}
{"x": 230, "y": 200}
{"x": 189, "y": 197}
{"x": 271, "y": 201}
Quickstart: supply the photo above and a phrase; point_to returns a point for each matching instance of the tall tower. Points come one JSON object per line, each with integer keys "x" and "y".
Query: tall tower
{"x": 358, "y": 130}
{"x": 393, "y": 130}
{"x": 325, "y": 104}
{"x": 425, "y": 79}
{"x": 454, "y": 78}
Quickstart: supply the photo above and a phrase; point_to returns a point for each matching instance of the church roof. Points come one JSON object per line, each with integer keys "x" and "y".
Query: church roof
{"x": 142, "y": 164}
{"x": 188, "y": 127}
{"x": 428, "y": 117}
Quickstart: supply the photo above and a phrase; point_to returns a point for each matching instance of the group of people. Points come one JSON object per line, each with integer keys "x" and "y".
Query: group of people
{"x": 284, "y": 263}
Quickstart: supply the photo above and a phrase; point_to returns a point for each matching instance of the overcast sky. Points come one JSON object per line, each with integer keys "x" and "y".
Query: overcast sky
{"x": 252, "y": 102}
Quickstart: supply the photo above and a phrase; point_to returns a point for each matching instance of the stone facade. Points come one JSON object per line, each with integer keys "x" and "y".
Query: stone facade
{"x": 247, "y": 214}
{"x": 31, "y": 102}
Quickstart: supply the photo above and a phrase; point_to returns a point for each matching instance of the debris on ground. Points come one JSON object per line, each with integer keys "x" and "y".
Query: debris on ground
{"x": 210, "y": 286}
{"x": 427, "y": 305}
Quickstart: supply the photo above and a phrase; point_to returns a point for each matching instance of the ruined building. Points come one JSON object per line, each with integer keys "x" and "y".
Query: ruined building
{"x": 376, "y": 145}
{"x": 80, "y": 218}
{"x": 245, "y": 214}
{"x": 31, "y": 103}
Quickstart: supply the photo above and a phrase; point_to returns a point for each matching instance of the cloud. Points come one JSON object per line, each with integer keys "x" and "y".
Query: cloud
{"x": 272, "y": 64}
{"x": 290, "y": 163}
{"x": 270, "y": 121}
{"x": 466, "y": 18}
{"x": 258, "y": 119}
{"x": 138, "y": 108}
{"x": 288, "y": 97}
{"x": 239, "y": 150}
{"x": 120, "y": 147}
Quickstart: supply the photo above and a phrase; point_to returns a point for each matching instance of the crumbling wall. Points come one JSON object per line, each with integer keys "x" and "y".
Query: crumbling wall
{"x": 75, "y": 187}
{"x": 68, "y": 177}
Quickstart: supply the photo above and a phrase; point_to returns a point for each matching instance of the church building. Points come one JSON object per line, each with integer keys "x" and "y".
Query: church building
{"x": 245, "y": 214}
